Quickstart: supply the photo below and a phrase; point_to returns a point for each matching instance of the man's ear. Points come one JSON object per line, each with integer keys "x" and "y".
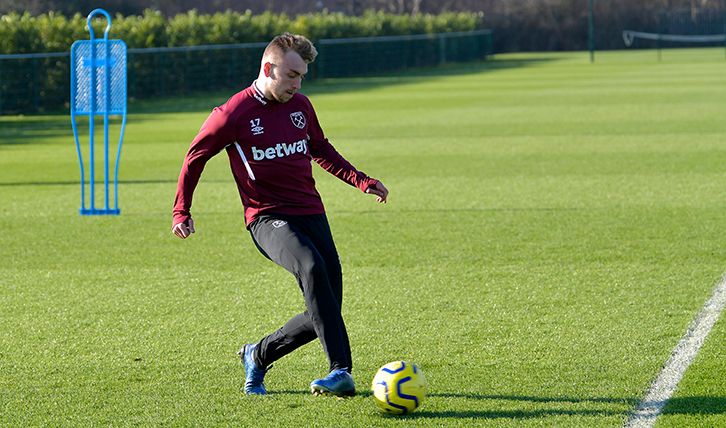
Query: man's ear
{"x": 267, "y": 67}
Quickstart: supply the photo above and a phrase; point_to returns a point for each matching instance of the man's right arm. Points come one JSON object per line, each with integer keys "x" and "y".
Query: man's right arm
{"x": 216, "y": 133}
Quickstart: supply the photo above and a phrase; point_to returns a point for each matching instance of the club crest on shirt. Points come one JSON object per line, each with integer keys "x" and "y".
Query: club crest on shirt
{"x": 298, "y": 119}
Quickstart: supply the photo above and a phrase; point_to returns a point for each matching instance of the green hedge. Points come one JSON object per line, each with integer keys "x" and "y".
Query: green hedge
{"x": 53, "y": 32}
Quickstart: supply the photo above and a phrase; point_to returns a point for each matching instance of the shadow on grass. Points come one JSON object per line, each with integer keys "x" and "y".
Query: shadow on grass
{"x": 55, "y": 127}
{"x": 504, "y": 414}
{"x": 696, "y": 406}
{"x": 522, "y": 414}
{"x": 205, "y": 102}
{"x": 623, "y": 401}
{"x": 676, "y": 406}
{"x": 98, "y": 183}
{"x": 32, "y": 129}
{"x": 397, "y": 78}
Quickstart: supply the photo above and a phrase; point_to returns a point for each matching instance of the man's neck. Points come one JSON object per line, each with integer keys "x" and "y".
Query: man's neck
{"x": 262, "y": 89}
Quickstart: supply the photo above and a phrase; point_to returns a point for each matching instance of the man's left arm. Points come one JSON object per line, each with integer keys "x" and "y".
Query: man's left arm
{"x": 330, "y": 160}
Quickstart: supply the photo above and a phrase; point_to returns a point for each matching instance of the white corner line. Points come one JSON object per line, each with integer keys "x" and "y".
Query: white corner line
{"x": 665, "y": 384}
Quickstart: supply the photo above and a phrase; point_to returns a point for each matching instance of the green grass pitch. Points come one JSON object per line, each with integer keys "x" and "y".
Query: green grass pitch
{"x": 553, "y": 228}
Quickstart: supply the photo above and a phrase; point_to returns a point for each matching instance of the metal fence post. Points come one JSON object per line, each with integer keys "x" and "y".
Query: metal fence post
{"x": 591, "y": 29}
{"x": 1, "y": 87}
{"x": 442, "y": 50}
{"x": 36, "y": 94}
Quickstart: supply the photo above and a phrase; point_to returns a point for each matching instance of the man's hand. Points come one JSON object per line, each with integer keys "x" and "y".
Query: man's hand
{"x": 183, "y": 229}
{"x": 379, "y": 190}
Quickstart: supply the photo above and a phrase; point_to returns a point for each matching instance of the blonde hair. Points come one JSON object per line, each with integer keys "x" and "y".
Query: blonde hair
{"x": 284, "y": 43}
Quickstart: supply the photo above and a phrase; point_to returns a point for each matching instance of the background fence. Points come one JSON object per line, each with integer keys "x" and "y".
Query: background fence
{"x": 347, "y": 57}
{"x": 34, "y": 83}
{"x": 41, "y": 82}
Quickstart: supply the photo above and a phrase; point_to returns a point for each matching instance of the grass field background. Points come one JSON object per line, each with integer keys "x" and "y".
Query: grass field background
{"x": 553, "y": 228}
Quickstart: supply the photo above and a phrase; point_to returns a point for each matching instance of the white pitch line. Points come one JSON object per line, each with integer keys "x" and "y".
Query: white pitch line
{"x": 684, "y": 354}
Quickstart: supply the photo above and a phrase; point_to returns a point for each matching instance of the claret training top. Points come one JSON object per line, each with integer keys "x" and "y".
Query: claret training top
{"x": 270, "y": 147}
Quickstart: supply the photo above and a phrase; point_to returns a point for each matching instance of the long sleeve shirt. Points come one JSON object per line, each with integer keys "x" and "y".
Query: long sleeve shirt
{"x": 270, "y": 146}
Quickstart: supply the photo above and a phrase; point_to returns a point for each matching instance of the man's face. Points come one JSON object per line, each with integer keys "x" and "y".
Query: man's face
{"x": 286, "y": 76}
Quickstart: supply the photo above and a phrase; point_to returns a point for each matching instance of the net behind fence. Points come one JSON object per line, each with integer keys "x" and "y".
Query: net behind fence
{"x": 41, "y": 82}
{"x": 630, "y": 36}
{"x": 678, "y": 28}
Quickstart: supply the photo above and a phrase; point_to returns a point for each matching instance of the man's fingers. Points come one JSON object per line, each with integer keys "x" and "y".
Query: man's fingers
{"x": 183, "y": 230}
{"x": 380, "y": 191}
{"x": 179, "y": 231}
{"x": 381, "y": 195}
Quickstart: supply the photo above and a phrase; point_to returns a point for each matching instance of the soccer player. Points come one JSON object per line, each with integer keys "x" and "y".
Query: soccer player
{"x": 271, "y": 134}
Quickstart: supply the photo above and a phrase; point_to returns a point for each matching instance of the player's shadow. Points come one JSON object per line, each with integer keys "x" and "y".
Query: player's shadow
{"x": 522, "y": 414}
{"x": 696, "y": 406}
{"x": 685, "y": 405}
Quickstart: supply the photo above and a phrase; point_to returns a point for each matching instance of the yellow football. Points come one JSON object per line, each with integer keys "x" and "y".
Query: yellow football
{"x": 399, "y": 387}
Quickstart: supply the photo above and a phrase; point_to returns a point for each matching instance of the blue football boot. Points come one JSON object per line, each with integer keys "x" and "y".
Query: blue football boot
{"x": 254, "y": 377}
{"x": 338, "y": 383}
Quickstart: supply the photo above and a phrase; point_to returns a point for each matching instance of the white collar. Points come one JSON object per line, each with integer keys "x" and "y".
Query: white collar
{"x": 259, "y": 96}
